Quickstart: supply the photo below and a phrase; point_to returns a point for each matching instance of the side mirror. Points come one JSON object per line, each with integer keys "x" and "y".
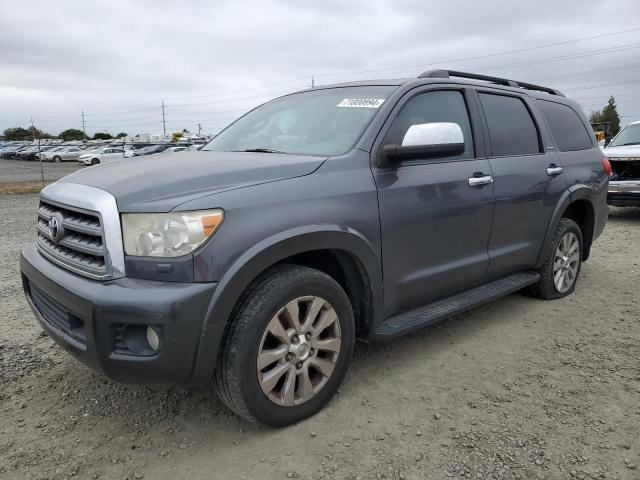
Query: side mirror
{"x": 427, "y": 140}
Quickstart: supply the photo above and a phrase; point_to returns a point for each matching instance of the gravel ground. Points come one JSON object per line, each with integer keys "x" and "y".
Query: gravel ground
{"x": 22, "y": 171}
{"x": 520, "y": 388}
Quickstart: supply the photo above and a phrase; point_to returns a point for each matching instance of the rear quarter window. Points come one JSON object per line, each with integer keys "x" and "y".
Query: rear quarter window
{"x": 566, "y": 126}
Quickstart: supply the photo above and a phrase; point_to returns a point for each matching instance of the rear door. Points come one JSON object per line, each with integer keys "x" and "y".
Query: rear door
{"x": 528, "y": 180}
{"x": 435, "y": 227}
{"x": 71, "y": 154}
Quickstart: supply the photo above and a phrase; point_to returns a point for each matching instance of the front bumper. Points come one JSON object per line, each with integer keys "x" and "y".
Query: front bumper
{"x": 624, "y": 193}
{"x": 88, "y": 319}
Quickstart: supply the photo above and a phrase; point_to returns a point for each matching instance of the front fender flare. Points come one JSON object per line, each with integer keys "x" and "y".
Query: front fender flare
{"x": 265, "y": 254}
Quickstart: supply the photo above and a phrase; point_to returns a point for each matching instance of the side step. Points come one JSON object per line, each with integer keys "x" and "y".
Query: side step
{"x": 434, "y": 312}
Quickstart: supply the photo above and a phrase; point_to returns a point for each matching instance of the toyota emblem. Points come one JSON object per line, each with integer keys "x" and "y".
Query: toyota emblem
{"x": 54, "y": 228}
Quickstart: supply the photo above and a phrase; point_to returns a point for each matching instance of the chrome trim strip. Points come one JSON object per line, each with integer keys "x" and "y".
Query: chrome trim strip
{"x": 624, "y": 186}
{"x": 101, "y": 202}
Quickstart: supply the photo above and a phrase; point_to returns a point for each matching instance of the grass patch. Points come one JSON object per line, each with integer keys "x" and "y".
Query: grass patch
{"x": 17, "y": 188}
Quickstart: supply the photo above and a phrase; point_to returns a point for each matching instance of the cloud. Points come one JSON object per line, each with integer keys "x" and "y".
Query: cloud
{"x": 118, "y": 60}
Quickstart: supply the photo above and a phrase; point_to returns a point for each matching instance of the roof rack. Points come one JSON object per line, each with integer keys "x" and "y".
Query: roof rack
{"x": 487, "y": 78}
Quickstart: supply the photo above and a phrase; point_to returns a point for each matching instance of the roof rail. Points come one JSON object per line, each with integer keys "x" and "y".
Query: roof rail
{"x": 487, "y": 78}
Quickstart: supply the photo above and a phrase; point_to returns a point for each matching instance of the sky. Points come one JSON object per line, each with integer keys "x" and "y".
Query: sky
{"x": 210, "y": 61}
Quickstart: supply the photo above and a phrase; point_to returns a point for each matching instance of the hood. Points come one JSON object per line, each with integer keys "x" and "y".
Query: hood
{"x": 159, "y": 183}
{"x": 623, "y": 151}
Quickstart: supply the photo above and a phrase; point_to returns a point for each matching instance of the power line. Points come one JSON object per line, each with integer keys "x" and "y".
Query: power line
{"x": 148, "y": 105}
{"x": 479, "y": 57}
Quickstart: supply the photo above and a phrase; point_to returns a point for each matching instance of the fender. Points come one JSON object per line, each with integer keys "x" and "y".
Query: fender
{"x": 573, "y": 193}
{"x": 265, "y": 254}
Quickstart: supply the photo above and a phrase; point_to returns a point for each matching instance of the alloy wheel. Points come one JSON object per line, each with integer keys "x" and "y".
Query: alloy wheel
{"x": 298, "y": 351}
{"x": 566, "y": 262}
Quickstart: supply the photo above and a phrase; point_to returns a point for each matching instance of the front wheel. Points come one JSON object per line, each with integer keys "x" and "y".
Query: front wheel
{"x": 288, "y": 347}
{"x": 95, "y": 161}
{"x": 57, "y": 159}
{"x": 560, "y": 271}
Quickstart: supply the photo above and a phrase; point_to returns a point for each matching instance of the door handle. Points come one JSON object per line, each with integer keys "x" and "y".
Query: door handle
{"x": 554, "y": 170}
{"x": 480, "y": 181}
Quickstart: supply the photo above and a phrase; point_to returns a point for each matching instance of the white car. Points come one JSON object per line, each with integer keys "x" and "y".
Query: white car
{"x": 104, "y": 155}
{"x": 624, "y": 154}
{"x": 61, "y": 154}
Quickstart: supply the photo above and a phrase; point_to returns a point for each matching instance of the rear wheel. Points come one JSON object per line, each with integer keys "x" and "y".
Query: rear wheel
{"x": 560, "y": 271}
{"x": 288, "y": 348}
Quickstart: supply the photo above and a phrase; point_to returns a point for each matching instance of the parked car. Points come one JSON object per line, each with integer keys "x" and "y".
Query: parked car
{"x": 150, "y": 150}
{"x": 11, "y": 151}
{"x": 181, "y": 148}
{"x": 62, "y": 154}
{"x": 43, "y": 155}
{"x": 624, "y": 154}
{"x": 258, "y": 261}
{"x": 24, "y": 153}
{"x": 102, "y": 155}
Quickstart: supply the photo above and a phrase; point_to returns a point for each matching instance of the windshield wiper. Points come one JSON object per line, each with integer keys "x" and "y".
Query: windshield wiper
{"x": 260, "y": 150}
{"x": 630, "y": 143}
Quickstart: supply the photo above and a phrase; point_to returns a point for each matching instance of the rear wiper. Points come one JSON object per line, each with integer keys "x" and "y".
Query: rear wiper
{"x": 260, "y": 150}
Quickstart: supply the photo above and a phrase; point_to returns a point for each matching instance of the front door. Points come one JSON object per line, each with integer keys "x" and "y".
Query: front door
{"x": 528, "y": 182}
{"x": 435, "y": 227}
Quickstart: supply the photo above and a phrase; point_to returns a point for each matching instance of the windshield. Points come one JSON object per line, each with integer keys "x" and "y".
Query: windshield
{"x": 316, "y": 122}
{"x": 630, "y": 135}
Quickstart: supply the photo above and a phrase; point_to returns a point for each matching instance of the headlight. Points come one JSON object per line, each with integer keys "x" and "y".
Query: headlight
{"x": 168, "y": 234}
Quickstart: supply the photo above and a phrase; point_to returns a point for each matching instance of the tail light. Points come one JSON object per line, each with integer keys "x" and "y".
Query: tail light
{"x": 607, "y": 166}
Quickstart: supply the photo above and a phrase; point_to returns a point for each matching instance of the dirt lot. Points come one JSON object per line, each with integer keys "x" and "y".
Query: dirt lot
{"x": 13, "y": 171}
{"x": 521, "y": 388}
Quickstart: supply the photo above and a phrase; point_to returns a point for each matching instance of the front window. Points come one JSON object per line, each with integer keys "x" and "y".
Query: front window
{"x": 317, "y": 122}
{"x": 630, "y": 135}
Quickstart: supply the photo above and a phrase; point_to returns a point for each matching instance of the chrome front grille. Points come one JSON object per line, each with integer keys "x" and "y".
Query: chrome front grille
{"x": 76, "y": 242}
{"x": 79, "y": 229}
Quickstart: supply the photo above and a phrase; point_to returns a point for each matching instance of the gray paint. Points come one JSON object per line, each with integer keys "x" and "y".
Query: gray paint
{"x": 418, "y": 232}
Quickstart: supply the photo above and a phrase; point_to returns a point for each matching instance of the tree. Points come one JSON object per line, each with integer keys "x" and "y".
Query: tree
{"x": 22, "y": 134}
{"x": 102, "y": 136}
{"x": 72, "y": 134}
{"x": 121, "y": 135}
{"x": 18, "y": 133}
{"x": 607, "y": 116}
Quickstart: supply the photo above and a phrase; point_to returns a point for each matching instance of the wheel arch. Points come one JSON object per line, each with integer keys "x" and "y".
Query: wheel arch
{"x": 342, "y": 253}
{"x": 576, "y": 203}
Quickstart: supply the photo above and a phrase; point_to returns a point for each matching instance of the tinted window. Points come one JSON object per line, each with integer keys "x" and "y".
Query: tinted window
{"x": 429, "y": 107}
{"x": 567, "y": 128}
{"x": 511, "y": 128}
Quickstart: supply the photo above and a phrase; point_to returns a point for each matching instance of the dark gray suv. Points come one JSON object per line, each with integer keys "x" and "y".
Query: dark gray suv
{"x": 356, "y": 211}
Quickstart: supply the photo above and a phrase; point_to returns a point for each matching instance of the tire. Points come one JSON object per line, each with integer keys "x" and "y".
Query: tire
{"x": 95, "y": 161}
{"x": 547, "y": 288}
{"x": 57, "y": 159}
{"x": 239, "y": 383}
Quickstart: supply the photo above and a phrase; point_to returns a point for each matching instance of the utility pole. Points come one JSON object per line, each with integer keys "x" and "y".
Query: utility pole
{"x": 164, "y": 123}
{"x": 313, "y": 82}
{"x": 199, "y": 128}
{"x": 33, "y": 129}
{"x": 83, "y": 129}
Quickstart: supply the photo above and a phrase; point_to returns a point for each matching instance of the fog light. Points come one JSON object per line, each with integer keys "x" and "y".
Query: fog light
{"x": 153, "y": 338}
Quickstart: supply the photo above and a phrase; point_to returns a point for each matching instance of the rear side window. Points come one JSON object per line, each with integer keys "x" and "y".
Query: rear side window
{"x": 567, "y": 128}
{"x": 511, "y": 128}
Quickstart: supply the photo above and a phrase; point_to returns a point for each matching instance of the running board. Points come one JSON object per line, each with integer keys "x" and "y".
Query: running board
{"x": 434, "y": 312}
